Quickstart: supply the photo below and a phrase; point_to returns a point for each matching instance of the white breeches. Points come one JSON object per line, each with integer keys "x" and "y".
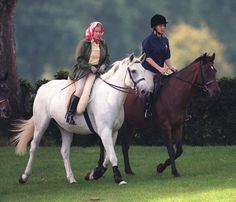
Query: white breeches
{"x": 79, "y": 86}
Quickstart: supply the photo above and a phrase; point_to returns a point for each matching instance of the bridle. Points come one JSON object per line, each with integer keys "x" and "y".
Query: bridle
{"x": 125, "y": 89}
{"x": 203, "y": 85}
{"x": 3, "y": 100}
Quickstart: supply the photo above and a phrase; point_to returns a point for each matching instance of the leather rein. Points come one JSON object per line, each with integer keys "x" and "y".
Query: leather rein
{"x": 125, "y": 89}
{"x": 203, "y": 85}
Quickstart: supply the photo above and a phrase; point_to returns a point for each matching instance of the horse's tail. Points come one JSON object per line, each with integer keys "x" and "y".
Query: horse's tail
{"x": 25, "y": 131}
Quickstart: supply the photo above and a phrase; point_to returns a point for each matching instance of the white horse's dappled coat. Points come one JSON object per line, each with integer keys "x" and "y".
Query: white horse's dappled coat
{"x": 105, "y": 110}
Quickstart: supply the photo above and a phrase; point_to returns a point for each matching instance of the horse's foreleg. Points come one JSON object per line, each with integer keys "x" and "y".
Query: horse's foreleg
{"x": 108, "y": 141}
{"x": 172, "y": 154}
{"x": 65, "y": 152}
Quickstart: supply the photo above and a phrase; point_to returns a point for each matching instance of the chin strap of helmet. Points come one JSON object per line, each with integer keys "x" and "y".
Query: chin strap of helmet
{"x": 156, "y": 32}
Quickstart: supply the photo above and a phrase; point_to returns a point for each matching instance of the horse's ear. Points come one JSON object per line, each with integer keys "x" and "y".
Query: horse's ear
{"x": 213, "y": 57}
{"x": 205, "y": 54}
{"x": 142, "y": 57}
{"x": 131, "y": 57}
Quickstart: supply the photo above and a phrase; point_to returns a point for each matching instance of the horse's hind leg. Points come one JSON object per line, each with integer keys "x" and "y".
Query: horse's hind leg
{"x": 127, "y": 132}
{"x": 65, "y": 152}
{"x": 41, "y": 125}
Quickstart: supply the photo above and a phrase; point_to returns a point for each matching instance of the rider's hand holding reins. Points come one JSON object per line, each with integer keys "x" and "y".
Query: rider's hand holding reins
{"x": 102, "y": 69}
{"x": 173, "y": 69}
{"x": 94, "y": 69}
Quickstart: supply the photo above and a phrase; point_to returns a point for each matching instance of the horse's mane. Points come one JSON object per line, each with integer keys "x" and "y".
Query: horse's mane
{"x": 112, "y": 70}
{"x": 204, "y": 58}
{"x": 115, "y": 66}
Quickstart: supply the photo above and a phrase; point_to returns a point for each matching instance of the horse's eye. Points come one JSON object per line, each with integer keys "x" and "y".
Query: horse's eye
{"x": 133, "y": 71}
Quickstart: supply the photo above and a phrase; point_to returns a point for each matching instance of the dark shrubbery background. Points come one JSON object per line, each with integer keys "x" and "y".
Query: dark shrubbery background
{"x": 213, "y": 118}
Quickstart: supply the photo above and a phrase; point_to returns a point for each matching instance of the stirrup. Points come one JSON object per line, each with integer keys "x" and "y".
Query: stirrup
{"x": 188, "y": 117}
{"x": 148, "y": 115}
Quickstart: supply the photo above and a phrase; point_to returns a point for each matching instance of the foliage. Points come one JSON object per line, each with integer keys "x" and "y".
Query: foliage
{"x": 190, "y": 42}
{"x": 62, "y": 74}
{"x": 214, "y": 119}
{"x": 213, "y": 122}
{"x": 208, "y": 174}
{"x": 27, "y": 91}
{"x": 47, "y": 31}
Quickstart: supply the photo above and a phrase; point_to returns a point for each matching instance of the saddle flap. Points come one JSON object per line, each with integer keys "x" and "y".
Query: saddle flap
{"x": 84, "y": 99}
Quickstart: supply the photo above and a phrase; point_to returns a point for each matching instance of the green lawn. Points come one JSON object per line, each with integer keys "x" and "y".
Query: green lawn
{"x": 208, "y": 174}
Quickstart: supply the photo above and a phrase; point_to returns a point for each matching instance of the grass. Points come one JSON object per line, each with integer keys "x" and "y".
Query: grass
{"x": 208, "y": 174}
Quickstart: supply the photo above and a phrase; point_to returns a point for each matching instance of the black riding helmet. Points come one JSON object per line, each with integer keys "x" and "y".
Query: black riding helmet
{"x": 158, "y": 20}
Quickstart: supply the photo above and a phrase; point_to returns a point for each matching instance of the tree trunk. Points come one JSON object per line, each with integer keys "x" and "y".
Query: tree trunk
{"x": 8, "y": 61}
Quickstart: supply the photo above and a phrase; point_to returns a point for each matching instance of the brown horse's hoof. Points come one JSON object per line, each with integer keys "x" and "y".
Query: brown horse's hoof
{"x": 129, "y": 172}
{"x": 160, "y": 168}
{"x": 176, "y": 174}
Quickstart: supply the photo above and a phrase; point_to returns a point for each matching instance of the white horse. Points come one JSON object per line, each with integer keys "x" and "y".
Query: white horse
{"x": 105, "y": 110}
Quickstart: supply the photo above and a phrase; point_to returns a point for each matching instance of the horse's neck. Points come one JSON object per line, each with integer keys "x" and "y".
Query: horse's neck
{"x": 185, "y": 83}
{"x": 118, "y": 79}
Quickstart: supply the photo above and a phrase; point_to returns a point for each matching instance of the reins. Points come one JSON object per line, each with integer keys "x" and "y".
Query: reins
{"x": 3, "y": 100}
{"x": 202, "y": 85}
{"x": 125, "y": 89}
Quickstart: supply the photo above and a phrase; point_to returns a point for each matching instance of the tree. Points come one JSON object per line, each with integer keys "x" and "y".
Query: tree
{"x": 8, "y": 56}
{"x": 187, "y": 43}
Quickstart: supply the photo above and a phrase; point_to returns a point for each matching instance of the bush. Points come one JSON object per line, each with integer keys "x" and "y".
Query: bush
{"x": 213, "y": 122}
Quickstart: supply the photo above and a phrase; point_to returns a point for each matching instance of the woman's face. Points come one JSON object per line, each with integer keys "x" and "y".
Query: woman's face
{"x": 161, "y": 28}
{"x": 97, "y": 35}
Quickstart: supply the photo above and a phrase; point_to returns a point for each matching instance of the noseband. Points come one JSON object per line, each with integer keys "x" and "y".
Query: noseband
{"x": 131, "y": 77}
{"x": 205, "y": 84}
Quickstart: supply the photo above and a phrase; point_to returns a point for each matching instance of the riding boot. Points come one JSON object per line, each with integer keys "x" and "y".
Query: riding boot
{"x": 72, "y": 109}
{"x": 147, "y": 106}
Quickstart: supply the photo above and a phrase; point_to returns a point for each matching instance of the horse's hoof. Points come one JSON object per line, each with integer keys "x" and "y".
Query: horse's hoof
{"x": 160, "y": 168}
{"x": 123, "y": 182}
{"x": 89, "y": 176}
{"x": 129, "y": 172}
{"x": 176, "y": 174}
{"x": 71, "y": 179}
{"x": 73, "y": 182}
{"x": 23, "y": 179}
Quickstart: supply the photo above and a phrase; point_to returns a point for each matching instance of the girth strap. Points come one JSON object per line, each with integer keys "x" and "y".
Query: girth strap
{"x": 87, "y": 119}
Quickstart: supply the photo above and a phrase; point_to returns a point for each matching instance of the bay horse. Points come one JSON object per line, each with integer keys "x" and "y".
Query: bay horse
{"x": 105, "y": 111}
{"x": 168, "y": 109}
{"x": 4, "y": 97}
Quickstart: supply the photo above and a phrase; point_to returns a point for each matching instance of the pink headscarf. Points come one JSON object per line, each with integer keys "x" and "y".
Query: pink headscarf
{"x": 90, "y": 30}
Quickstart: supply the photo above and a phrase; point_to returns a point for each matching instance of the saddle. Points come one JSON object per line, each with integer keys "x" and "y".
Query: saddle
{"x": 84, "y": 99}
{"x": 159, "y": 82}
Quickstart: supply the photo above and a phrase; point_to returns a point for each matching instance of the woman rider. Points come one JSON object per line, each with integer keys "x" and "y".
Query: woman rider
{"x": 156, "y": 47}
{"x": 92, "y": 56}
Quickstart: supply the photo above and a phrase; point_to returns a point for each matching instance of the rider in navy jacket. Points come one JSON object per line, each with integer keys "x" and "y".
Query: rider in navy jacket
{"x": 156, "y": 47}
